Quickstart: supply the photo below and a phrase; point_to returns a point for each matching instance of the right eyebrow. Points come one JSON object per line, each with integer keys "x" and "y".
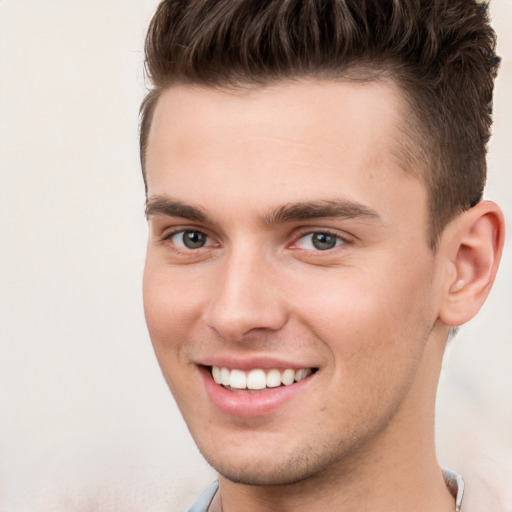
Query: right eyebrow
{"x": 166, "y": 206}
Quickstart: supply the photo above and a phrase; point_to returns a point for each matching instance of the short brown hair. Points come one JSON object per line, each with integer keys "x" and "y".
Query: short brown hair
{"x": 441, "y": 53}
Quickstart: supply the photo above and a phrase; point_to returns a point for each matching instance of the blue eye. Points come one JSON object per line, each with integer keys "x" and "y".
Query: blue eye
{"x": 319, "y": 241}
{"x": 189, "y": 239}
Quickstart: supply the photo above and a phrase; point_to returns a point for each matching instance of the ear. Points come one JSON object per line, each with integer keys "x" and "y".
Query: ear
{"x": 473, "y": 248}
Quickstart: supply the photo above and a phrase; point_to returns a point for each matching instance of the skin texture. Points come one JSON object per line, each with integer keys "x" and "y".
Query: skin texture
{"x": 370, "y": 314}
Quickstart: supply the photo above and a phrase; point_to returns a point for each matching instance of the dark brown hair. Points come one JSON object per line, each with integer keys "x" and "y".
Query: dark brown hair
{"x": 439, "y": 52}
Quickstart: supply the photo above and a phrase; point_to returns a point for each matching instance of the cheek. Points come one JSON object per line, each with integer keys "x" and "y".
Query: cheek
{"x": 171, "y": 297}
{"x": 168, "y": 309}
{"x": 376, "y": 342}
{"x": 168, "y": 313}
{"x": 368, "y": 318}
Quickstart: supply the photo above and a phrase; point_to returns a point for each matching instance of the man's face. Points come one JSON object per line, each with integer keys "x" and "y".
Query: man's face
{"x": 287, "y": 241}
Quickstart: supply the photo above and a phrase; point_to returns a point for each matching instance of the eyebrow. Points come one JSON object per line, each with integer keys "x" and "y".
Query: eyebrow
{"x": 333, "y": 208}
{"x": 165, "y": 206}
{"x": 292, "y": 212}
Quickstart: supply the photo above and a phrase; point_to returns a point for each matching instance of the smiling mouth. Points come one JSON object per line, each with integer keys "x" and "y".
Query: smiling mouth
{"x": 258, "y": 379}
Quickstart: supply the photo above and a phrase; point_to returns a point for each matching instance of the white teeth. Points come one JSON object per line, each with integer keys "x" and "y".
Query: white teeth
{"x": 273, "y": 379}
{"x": 224, "y": 376}
{"x": 258, "y": 379}
{"x": 302, "y": 374}
{"x": 216, "y": 374}
{"x": 238, "y": 379}
{"x": 287, "y": 377}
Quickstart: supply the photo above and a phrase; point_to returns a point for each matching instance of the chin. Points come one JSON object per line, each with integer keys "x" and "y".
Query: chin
{"x": 273, "y": 476}
{"x": 266, "y": 471}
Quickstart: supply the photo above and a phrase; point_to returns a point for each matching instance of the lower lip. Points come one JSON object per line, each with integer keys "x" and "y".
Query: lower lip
{"x": 252, "y": 404}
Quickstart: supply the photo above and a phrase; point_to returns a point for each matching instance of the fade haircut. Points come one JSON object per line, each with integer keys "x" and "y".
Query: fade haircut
{"x": 440, "y": 53}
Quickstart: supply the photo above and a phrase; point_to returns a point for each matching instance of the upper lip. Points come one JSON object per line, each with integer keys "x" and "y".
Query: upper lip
{"x": 252, "y": 363}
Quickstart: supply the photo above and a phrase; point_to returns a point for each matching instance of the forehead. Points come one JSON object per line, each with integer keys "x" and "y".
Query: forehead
{"x": 318, "y": 111}
{"x": 302, "y": 139}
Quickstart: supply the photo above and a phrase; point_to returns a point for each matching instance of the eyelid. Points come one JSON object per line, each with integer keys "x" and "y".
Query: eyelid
{"x": 171, "y": 230}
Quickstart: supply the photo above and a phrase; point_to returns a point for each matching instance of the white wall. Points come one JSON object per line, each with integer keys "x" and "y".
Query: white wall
{"x": 86, "y": 421}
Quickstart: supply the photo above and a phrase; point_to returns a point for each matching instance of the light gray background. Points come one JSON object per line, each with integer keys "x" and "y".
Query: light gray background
{"x": 86, "y": 421}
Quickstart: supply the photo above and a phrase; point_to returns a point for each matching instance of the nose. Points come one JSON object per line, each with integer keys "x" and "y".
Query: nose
{"x": 246, "y": 297}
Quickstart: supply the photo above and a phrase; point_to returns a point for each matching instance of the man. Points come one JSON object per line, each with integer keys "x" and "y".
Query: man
{"x": 314, "y": 174}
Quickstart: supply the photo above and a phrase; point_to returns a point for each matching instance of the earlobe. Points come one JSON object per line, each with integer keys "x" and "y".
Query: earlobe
{"x": 475, "y": 247}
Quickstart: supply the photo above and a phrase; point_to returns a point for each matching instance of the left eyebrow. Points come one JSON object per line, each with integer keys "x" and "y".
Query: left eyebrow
{"x": 336, "y": 208}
